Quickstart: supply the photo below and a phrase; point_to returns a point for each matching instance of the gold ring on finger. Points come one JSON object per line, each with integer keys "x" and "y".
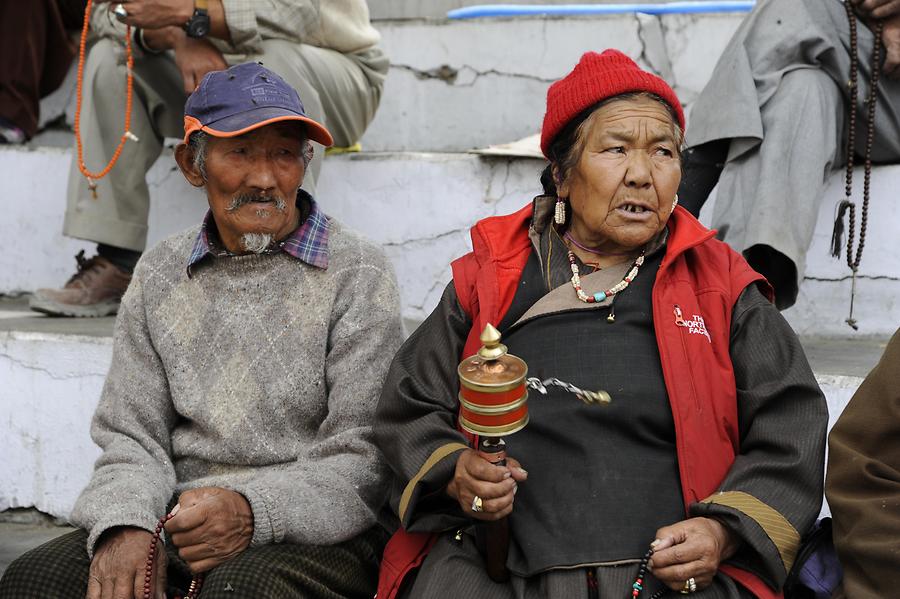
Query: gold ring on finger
{"x": 690, "y": 586}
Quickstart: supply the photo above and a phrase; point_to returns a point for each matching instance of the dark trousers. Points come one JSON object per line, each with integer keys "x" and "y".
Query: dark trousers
{"x": 35, "y": 54}
{"x": 59, "y": 570}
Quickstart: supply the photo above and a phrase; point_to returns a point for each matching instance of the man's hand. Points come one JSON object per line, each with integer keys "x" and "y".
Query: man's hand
{"x": 495, "y": 485}
{"x": 212, "y": 526}
{"x": 890, "y": 36}
{"x": 154, "y": 14}
{"x": 877, "y": 9}
{"x": 691, "y": 548}
{"x": 118, "y": 567}
{"x": 195, "y": 58}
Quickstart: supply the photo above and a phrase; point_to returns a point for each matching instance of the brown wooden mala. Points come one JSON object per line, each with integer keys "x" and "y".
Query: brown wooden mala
{"x": 847, "y": 205}
{"x": 196, "y": 581}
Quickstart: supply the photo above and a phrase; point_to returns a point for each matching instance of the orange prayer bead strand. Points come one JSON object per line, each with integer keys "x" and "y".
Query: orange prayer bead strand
{"x": 93, "y": 177}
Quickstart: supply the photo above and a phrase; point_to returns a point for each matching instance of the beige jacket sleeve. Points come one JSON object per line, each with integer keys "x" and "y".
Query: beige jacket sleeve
{"x": 341, "y": 25}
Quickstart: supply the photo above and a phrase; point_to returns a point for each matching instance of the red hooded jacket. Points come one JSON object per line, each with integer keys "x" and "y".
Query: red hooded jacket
{"x": 697, "y": 284}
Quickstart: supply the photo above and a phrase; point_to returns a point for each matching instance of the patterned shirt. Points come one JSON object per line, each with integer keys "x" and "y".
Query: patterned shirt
{"x": 308, "y": 242}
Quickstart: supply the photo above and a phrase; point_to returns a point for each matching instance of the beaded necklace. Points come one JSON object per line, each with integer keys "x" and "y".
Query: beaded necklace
{"x": 196, "y": 581}
{"x": 602, "y": 295}
{"x": 93, "y": 177}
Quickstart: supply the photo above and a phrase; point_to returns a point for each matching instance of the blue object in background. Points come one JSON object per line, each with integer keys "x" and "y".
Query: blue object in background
{"x": 557, "y": 10}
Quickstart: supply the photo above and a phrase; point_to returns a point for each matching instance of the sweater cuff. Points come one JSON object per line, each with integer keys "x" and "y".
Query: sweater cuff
{"x": 142, "y": 521}
{"x": 268, "y": 521}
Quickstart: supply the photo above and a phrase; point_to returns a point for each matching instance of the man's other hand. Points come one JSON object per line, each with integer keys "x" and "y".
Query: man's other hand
{"x": 153, "y": 14}
{"x": 118, "y": 567}
{"x": 195, "y": 58}
{"x": 877, "y": 9}
{"x": 211, "y": 526}
{"x": 891, "y": 39}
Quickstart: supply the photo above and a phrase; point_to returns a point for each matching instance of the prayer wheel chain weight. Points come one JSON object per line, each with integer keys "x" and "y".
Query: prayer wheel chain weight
{"x": 494, "y": 386}
{"x": 493, "y": 395}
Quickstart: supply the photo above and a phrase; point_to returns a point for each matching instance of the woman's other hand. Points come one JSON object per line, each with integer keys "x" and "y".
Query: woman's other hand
{"x": 691, "y": 548}
{"x": 494, "y": 485}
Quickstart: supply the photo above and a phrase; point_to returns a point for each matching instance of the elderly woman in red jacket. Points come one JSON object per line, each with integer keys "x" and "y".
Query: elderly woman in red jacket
{"x": 711, "y": 451}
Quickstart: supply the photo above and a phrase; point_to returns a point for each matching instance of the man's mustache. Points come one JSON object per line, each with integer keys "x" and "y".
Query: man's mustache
{"x": 242, "y": 199}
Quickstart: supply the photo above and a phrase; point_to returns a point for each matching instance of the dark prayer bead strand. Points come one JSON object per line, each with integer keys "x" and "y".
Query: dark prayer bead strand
{"x": 638, "y": 586}
{"x": 871, "y": 100}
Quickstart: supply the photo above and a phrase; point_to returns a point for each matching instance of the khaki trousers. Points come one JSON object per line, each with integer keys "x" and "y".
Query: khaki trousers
{"x": 341, "y": 91}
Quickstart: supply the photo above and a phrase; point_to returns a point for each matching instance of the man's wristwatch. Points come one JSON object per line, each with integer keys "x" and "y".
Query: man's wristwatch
{"x": 198, "y": 24}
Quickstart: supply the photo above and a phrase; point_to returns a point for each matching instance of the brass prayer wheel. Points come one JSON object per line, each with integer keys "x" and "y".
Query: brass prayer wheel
{"x": 492, "y": 395}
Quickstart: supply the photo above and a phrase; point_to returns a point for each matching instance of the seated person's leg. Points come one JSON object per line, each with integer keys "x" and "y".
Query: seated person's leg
{"x": 770, "y": 195}
{"x": 57, "y": 569}
{"x": 348, "y": 569}
{"x": 117, "y": 217}
{"x": 701, "y": 167}
{"x": 36, "y": 54}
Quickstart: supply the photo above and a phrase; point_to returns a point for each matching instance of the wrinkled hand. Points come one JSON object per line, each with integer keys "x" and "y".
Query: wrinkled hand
{"x": 153, "y": 14}
{"x": 691, "y": 548}
{"x": 195, "y": 58}
{"x": 212, "y": 526}
{"x": 890, "y": 36}
{"x": 877, "y": 9}
{"x": 117, "y": 569}
{"x": 495, "y": 485}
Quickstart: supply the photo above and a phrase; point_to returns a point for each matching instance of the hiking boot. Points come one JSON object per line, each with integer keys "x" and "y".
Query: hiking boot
{"x": 95, "y": 290}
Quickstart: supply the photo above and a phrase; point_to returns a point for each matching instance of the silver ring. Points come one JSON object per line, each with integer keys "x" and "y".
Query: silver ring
{"x": 120, "y": 12}
{"x": 477, "y": 504}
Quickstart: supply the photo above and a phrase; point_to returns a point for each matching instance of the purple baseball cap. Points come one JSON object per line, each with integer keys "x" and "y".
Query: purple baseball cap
{"x": 245, "y": 97}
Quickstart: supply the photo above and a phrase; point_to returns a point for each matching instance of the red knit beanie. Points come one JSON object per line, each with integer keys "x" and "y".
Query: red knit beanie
{"x": 597, "y": 77}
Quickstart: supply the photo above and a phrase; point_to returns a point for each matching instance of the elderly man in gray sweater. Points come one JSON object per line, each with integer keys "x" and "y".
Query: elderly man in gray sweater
{"x": 249, "y": 353}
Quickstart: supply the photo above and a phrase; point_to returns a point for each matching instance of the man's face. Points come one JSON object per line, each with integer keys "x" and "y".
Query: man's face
{"x": 252, "y": 182}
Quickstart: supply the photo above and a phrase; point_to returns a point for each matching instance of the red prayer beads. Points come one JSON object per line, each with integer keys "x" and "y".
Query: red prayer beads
{"x": 196, "y": 582}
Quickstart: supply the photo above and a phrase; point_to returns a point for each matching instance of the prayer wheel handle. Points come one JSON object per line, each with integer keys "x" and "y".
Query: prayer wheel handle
{"x": 493, "y": 400}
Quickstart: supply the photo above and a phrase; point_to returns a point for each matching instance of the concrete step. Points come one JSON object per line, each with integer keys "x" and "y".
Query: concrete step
{"x": 419, "y": 206}
{"x": 53, "y": 371}
{"x": 457, "y": 85}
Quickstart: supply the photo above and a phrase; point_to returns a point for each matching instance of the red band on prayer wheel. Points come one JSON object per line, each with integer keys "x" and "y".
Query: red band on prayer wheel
{"x": 480, "y": 398}
{"x": 494, "y": 419}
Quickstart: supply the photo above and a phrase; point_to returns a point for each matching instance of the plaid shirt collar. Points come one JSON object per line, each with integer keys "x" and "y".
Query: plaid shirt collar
{"x": 308, "y": 243}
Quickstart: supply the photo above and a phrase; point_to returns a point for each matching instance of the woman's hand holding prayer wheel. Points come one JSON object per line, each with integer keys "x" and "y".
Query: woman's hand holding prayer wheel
{"x": 494, "y": 485}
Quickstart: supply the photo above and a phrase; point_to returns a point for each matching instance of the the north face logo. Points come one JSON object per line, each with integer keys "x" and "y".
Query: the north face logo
{"x": 694, "y": 326}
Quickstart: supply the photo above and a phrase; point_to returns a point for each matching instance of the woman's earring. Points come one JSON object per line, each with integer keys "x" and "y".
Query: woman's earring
{"x": 559, "y": 214}
{"x": 675, "y": 203}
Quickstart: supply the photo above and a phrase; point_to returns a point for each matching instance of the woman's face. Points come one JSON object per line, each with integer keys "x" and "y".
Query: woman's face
{"x": 622, "y": 188}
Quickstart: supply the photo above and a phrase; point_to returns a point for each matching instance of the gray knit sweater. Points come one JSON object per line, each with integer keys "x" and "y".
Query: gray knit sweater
{"x": 258, "y": 374}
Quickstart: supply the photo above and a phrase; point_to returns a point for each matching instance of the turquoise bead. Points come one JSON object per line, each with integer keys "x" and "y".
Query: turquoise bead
{"x": 599, "y": 296}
